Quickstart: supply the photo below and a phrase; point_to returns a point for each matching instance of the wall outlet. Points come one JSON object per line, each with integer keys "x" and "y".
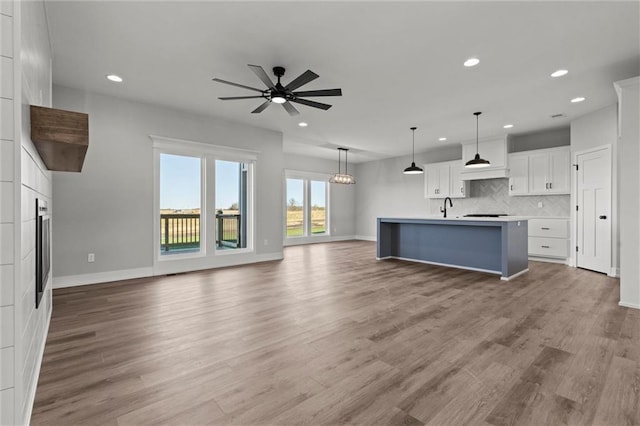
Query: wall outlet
{"x": 91, "y": 257}
{"x": 539, "y": 204}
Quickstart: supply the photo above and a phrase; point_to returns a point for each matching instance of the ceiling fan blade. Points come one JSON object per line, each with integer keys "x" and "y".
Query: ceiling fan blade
{"x": 290, "y": 108}
{"x": 259, "y": 71}
{"x": 261, "y": 108}
{"x": 325, "y": 92}
{"x": 228, "y": 98}
{"x": 237, "y": 85}
{"x": 311, "y": 103}
{"x": 302, "y": 79}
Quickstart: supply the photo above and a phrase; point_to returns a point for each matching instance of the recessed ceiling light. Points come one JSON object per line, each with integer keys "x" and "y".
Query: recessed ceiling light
{"x": 302, "y": 124}
{"x": 114, "y": 78}
{"x": 471, "y": 62}
{"x": 508, "y": 126}
{"x": 559, "y": 73}
{"x": 442, "y": 139}
{"x": 578, "y": 99}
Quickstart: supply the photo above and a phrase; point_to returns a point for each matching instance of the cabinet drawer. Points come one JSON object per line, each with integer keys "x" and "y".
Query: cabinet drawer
{"x": 556, "y": 228}
{"x": 548, "y": 247}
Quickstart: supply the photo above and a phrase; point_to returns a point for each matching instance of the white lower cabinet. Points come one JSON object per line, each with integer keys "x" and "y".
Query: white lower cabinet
{"x": 549, "y": 238}
{"x": 445, "y": 180}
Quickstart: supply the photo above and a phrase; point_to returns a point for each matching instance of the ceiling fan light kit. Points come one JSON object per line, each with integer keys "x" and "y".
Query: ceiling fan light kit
{"x": 283, "y": 95}
{"x": 413, "y": 169}
{"x": 477, "y": 161}
{"x": 342, "y": 178}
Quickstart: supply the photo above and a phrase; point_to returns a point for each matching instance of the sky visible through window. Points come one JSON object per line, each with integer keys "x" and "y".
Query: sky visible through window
{"x": 295, "y": 192}
{"x": 180, "y": 182}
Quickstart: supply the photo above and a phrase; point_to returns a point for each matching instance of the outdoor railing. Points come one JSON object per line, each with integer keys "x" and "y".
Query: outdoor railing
{"x": 182, "y": 231}
{"x": 179, "y": 231}
{"x": 228, "y": 226}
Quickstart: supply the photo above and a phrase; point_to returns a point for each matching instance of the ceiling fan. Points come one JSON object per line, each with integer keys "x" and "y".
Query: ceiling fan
{"x": 279, "y": 94}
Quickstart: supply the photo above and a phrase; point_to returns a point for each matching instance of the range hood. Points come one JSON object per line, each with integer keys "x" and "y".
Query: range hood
{"x": 61, "y": 137}
{"x": 494, "y": 150}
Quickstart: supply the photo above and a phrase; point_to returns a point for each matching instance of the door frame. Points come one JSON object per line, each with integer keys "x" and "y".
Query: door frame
{"x": 612, "y": 270}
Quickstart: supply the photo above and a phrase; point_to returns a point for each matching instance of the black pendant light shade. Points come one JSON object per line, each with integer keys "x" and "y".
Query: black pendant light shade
{"x": 343, "y": 178}
{"x": 477, "y": 162}
{"x": 413, "y": 169}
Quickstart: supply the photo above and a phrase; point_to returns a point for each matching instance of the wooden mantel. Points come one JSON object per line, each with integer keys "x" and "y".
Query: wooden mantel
{"x": 61, "y": 137}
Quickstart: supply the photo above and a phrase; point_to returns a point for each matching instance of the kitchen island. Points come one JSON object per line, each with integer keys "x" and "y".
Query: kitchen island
{"x": 494, "y": 245}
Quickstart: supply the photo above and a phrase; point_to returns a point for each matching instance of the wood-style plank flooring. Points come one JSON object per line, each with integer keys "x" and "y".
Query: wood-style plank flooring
{"x": 331, "y": 336}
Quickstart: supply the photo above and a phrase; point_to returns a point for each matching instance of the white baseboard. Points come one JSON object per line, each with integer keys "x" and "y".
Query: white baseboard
{"x": 614, "y": 272}
{"x": 101, "y": 277}
{"x": 628, "y": 305}
{"x": 296, "y": 241}
{"x": 202, "y": 263}
{"x": 365, "y": 238}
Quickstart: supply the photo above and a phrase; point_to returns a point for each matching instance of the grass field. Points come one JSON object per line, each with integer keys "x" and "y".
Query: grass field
{"x": 295, "y": 221}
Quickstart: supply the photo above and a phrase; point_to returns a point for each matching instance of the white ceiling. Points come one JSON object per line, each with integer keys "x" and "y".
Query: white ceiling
{"x": 399, "y": 64}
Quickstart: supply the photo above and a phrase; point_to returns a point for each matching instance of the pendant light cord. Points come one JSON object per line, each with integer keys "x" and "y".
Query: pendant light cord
{"x": 413, "y": 145}
{"x": 477, "y": 114}
{"x": 346, "y": 162}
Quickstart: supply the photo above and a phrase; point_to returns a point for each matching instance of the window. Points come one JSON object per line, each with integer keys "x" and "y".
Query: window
{"x": 180, "y": 204}
{"x": 306, "y": 205}
{"x": 203, "y": 203}
{"x": 231, "y": 204}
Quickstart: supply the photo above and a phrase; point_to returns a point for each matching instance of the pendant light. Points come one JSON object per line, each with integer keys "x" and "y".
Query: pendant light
{"x": 413, "y": 169}
{"x": 343, "y": 178}
{"x": 477, "y": 162}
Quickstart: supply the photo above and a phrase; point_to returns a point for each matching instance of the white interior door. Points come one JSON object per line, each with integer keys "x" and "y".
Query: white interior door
{"x": 594, "y": 210}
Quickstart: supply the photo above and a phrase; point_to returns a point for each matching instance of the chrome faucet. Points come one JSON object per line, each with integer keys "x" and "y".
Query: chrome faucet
{"x": 445, "y": 206}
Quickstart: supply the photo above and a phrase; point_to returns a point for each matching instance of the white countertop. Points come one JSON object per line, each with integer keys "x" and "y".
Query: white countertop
{"x": 465, "y": 219}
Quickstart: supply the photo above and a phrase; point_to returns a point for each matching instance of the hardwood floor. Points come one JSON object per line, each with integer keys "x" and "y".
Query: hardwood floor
{"x": 332, "y": 336}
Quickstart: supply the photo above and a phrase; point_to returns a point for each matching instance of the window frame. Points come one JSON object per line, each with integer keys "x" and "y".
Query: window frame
{"x": 208, "y": 154}
{"x": 307, "y": 177}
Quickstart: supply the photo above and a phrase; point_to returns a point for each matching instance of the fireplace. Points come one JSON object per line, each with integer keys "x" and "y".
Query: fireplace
{"x": 43, "y": 247}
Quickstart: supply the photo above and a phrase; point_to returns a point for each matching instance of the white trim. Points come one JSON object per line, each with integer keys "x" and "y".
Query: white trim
{"x": 628, "y": 305}
{"x": 298, "y": 241}
{"x": 101, "y": 277}
{"x": 299, "y": 174}
{"x": 214, "y": 262}
{"x": 517, "y": 274}
{"x": 33, "y": 386}
{"x": 366, "y": 238}
{"x": 184, "y": 146}
{"x": 614, "y": 272}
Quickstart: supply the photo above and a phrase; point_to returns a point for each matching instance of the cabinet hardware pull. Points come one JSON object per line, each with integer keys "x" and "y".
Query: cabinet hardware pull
{"x": 512, "y": 187}
{"x": 462, "y": 190}
{"x": 550, "y": 185}
{"x": 546, "y": 229}
{"x": 545, "y": 246}
{"x": 603, "y": 217}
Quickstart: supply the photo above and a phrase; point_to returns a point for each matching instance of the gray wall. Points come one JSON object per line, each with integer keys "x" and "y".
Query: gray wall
{"x": 539, "y": 140}
{"x": 107, "y": 209}
{"x": 342, "y": 202}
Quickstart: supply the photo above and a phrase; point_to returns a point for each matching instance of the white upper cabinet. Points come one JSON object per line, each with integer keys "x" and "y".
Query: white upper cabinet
{"x": 519, "y": 174}
{"x": 540, "y": 172}
{"x": 494, "y": 150}
{"x": 444, "y": 180}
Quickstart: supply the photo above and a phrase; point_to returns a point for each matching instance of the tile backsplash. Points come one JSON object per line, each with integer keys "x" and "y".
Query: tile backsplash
{"x": 492, "y": 196}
